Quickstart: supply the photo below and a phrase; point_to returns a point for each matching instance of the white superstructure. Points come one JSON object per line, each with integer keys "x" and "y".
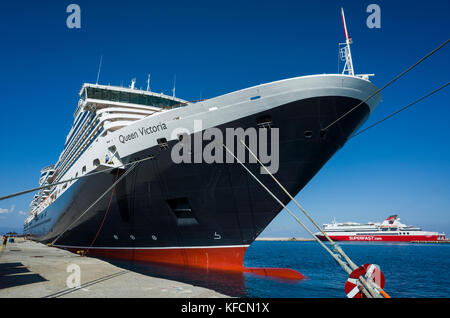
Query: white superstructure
{"x": 101, "y": 110}
{"x": 390, "y": 229}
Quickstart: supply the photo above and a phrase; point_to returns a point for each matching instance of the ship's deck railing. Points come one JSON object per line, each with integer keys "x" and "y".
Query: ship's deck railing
{"x": 184, "y": 104}
{"x": 47, "y": 168}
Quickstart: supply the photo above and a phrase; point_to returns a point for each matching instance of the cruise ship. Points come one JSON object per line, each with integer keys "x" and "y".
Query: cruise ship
{"x": 390, "y": 230}
{"x": 115, "y": 190}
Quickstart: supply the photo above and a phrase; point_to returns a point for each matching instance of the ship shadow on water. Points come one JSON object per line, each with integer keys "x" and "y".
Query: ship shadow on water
{"x": 229, "y": 283}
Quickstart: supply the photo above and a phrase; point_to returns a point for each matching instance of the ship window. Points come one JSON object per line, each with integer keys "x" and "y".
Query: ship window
{"x": 124, "y": 97}
{"x": 97, "y": 93}
{"x": 83, "y": 170}
{"x": 134, "y": 99}
{"x": 115, "y": 96}
{"x": 105, "y": 95}
{"x": 96, "y": 162}
{"x": 142, "y": 99}
{"x": 127, "y": 97}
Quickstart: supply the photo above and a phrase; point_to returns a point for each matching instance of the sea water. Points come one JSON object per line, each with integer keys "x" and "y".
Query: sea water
{"x": 411, "y": 270}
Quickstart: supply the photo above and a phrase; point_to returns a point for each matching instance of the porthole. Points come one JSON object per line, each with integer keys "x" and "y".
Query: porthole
{"x": 115, "y": 237}
{"x": 308, "y": 134}
{"x": 132, "y": 237}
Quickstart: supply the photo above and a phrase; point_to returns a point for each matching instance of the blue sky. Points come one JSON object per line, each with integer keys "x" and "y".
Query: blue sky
{"x": 215, "y": 47}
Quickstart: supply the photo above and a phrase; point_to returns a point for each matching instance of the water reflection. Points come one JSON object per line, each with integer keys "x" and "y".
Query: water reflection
{"x": 224, "y": 282}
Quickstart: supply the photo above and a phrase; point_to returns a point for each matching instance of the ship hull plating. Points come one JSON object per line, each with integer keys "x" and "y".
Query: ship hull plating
{"x": 142, "y": 218}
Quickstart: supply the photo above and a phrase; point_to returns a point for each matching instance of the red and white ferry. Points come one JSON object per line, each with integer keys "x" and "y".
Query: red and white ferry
{"x": 390, "y": 230}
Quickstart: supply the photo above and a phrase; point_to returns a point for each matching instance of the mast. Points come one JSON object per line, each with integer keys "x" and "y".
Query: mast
{"x": 99, "y": 69}
{"x": 348, "y": 67}
{"x": 174, "y": 85}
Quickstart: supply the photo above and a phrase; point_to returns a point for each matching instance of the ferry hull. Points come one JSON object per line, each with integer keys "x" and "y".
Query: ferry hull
{"x": 137, "y": 221}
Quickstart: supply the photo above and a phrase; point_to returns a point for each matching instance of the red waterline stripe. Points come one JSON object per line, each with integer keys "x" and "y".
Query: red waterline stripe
{"x": 381, "y": 238}
{"x": 214, "y": 258}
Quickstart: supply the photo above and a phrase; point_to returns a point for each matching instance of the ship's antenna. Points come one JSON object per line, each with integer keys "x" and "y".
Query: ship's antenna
{"x": 99, "y": 69}
{"x": 174, "y": 84}
{"x": 133, "y": 81}
{"x": 148, "y": 83}
{"x": 345, "y": 52}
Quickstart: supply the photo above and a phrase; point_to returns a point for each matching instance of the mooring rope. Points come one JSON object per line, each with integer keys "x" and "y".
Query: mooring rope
{"x": 96, "y": 201}
{"x": 104, "y": 216}
{"x": 336, "y": 247}
{"x": 389, "y": 83}
{"x": 368, "y": 291}
{"x": 72, "y": 179}
{"x": 401, "y": 109}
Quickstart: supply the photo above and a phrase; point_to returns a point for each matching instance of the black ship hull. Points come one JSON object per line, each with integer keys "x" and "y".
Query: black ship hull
{"x": 142, "y": 218}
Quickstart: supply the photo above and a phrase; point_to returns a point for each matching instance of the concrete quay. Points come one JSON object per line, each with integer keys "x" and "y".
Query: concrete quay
{"x": 32, "y": 270}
